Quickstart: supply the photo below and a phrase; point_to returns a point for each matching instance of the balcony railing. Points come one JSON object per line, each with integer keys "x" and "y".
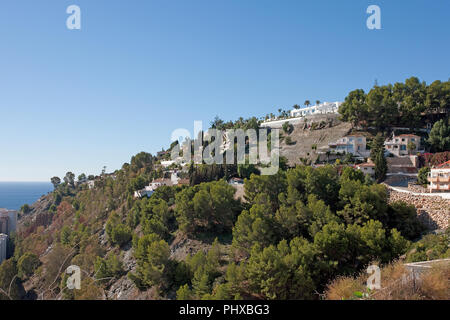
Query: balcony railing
{"x": 440, "y": 188}
{"x": 439, "y": 179}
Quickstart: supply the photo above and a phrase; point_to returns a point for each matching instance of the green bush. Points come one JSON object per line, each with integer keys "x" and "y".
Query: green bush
{"x": 422, "y": 177}
{"x": 27, "y": 264}
{"x": 430, "y": 247}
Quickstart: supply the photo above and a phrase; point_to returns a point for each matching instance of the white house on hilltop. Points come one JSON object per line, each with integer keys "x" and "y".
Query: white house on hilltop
{"x": 323, "y": 108}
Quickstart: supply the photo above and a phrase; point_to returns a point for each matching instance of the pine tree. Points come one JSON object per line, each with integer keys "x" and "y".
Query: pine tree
{"x": 380, "y": 166}
{"x": 376, "y": 145}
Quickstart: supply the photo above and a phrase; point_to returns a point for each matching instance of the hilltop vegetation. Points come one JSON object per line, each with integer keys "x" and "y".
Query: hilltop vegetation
{"x": 410, "y": 104}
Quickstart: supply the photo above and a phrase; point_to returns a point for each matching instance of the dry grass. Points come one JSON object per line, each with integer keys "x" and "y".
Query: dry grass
{"x": 436, "y": 283}
{"x": 344, "y": 288}
{"x": 397, "y": 283}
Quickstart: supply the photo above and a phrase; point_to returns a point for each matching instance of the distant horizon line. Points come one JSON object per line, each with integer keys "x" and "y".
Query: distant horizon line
{"x": 24, "y": 181}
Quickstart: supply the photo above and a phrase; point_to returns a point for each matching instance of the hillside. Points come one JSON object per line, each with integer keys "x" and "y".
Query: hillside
{"x": 285, "y": 236}
{"x": 193, "y": 242}
{"x": 327, "y": 129}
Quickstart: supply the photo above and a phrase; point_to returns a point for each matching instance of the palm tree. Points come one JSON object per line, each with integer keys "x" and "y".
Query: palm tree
{"x": 317, "y": 102}
{"x": 296, "y": 106}
{"x": 307, "y": 103}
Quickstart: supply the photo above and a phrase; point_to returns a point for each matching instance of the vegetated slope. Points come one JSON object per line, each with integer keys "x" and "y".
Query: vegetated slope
{"x": 317, "y": 131}
{"x": 295, "y": 231}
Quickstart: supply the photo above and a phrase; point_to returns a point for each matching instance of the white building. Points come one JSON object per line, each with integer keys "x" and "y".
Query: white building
{"x": 323, "y": 108}
{"x": 439, "y": 178}
{"x": 398, "y": 145}
{"x": 3, "y": 245}
{"x": 148, "y": 190}
{"x": 366, "y": 168}
{"x": 167, "y": 163}
{"x": 353, "y": 143}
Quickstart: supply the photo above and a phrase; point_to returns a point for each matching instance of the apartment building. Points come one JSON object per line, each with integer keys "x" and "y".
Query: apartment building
{"x": 8, "y": 221}
{"x": 3, "y": 246}
{"x": 439, "y": 178}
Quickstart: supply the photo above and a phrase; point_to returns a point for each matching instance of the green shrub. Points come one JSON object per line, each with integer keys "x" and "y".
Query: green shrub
{"x": 422, "y": 177}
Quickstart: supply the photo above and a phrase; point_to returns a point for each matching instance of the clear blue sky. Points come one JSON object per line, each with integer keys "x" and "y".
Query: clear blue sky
{"x": 137, "y": 70}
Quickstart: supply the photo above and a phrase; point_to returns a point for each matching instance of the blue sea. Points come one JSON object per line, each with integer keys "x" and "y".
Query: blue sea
{"x": 15, "y": 194}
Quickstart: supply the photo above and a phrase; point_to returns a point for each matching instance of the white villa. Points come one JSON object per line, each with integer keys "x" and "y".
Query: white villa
{"x": 366, "y": 168}
{"x": 148, "y": 190}
{"x": 354, "y": 144}
{"x": 323, "y": 108}
{"x": 398, "y": 145}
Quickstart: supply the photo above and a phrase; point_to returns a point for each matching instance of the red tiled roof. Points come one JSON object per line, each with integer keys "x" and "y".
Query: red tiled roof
{"x": 407, "y": 135}
{"x": 444, "y": 165}
{"x": 366, "y": 164}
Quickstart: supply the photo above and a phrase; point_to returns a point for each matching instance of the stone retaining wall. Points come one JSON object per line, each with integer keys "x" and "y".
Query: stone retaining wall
{"x": 433, "y": 211}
